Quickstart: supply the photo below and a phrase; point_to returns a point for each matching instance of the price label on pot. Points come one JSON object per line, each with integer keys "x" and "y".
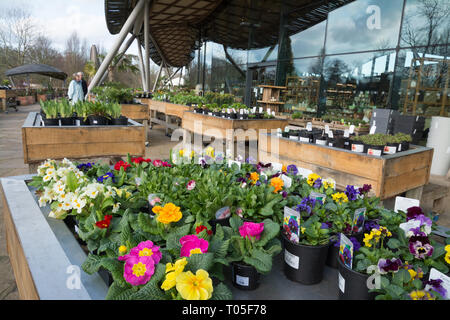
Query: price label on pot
{"x": 341, "y": 283}
{"x": 403, "y": 204}
{"x": 327, "y": 128}
{"x": 309, "y": 126}
{"x": 231, "y": 162}
{"x": 291, "y": 260}
{"x": 330, "y": 134}
{"x": 346, "y": 133}
{"x": 437, "y": 275}
{"x": 242, "y": 281}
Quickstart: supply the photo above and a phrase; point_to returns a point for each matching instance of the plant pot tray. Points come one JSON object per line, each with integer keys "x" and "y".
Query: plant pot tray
{"x": 79, "y": 142}
{"x": 216, "y": 126}
{"x": 389, "y": 175}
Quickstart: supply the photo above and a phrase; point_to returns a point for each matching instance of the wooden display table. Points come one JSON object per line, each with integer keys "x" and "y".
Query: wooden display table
{"x": 170, "y": 111}
{"x": 211, "y": 124}
{"x": 271, "y": 98}
{"x": 389, "y": 175}
{"x": 79, "y": 142}
{"x": 359, "y": 130}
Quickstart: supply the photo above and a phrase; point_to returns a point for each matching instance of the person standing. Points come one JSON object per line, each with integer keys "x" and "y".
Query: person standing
{"x": 75, "y": 91}
{"x": 83, "y": 83}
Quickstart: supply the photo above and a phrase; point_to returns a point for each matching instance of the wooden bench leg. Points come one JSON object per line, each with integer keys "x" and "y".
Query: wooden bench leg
{"x": 4, "y": 104}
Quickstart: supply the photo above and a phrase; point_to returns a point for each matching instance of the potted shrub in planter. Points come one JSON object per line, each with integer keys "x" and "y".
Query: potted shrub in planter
{"x": 66, "y": 112}
{"x": 115, "y": 112}
{"x": 375, "y": 144}
{"x": 252, "y": 247}
{"x": 97, "y": 114}
{"x": 404, "y": 141}
{"x": 49, "y": 113}
{"x": 81, "y": 110}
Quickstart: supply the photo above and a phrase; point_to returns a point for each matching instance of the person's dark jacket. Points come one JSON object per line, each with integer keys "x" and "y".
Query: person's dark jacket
{"x": 84, "y": 86}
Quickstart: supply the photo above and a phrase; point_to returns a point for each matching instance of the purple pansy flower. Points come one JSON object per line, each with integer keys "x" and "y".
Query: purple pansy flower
{"x": 420, "y": 250}
{"x": 413, "y": 213}
{"x": 106, "y": 176}
{"x": 389, "y": 265}
{"x": 292, "y": 169}
{"x": 351, "y": 192}
{"x": 318, "y": 183}
{"x": 356, "y": 244}
{"x": 436, "y": 285}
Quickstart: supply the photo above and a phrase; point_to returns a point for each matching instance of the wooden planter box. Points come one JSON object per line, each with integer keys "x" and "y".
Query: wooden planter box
{"x": 43, "y": 252}
{"x": 41, "y": 97}
{"x": 80, "y": 142}
{"x": 26, "y": 100}
{"x": 389, "y": 175}
{"x": 137, "y": 112}
{"x": 7, "y": 97}
{"x": 332, "y": 125}
{"x": 211, "y": 124}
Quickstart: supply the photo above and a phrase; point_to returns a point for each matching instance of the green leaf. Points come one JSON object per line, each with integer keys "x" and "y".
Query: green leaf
{"x": 200, "y": 261}
{"x": 71, "y": 181}
{"x": 271, "y": 230}
{"x": 92, "y": 264}
{"x": 221, "y": 292}
{"x": 235, "y": 223}
{"x": 393, "y": 243}
{"x": 260, "y": 260}
{"x": 117, "y": 292}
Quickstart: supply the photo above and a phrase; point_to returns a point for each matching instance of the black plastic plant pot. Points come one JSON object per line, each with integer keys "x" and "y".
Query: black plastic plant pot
{"x": 83, "y": 121}
{"x": 303, "y": 263}
{"x": 67, "y": 121}
{"x": 332, "y": 256}
{"x": 285, "y": 134}
{"x": 244, "y": 277}
{"x": 353, "y": 284}
{"x": 233, "y": 116}
{"x": 320, "y": 140}
{"x": 404, "y": 146}
{"x": 375, "y": 150}
{"x": 347, "y": 144}
{"x": 121, "y": 121}
{"x": 98, "y": 121}
{"x": 51, "y": 122}
{"x": 390, "y": 148}
{"x": 223, "y": 222}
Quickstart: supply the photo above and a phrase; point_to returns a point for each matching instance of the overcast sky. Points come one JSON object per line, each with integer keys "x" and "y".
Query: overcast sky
{"x": 59, "y": 18}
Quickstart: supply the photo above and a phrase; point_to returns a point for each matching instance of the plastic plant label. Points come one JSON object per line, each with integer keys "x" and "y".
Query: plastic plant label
{"x": 346, "y": 133}
{"x": 437, "y": 275}
{"x": 287, "y": 181}
{"x": 231, "y": 162}
{"x": 241, "y": 111}
{"x": 327, "y": 128}
{"x": 318, "y": 196}
{"x": 76, "y": 229}
{"x": 411, "y": 224}
{"x": 277, "y": 166}
{"x": 268, "y": 110}
{"x": 260, "y": 110}
{"x": 95, "y": 121}
{"x": 304, "y": 172}
{"x": 390, "y": 150}
{"x": 351, "y": 130}
{"x": 357, "y": 148}
{"x": 286, "y": 129}
{"x": 330, "y": 134}
{"x": 242, "y": 281}
{"x": 291, "y": 260}
{"x": 358, "y": 220}
{"x": 223, "y": 213}
{"x": 341, "y": 283}
{"x": 403, "y": 204}
{"x": 77, "y": 123}
{"x": 309, "y": 126}
{"x": 372, "y": 130}
{"x": 303, "y": 139}
{"x": 254, "y": 109}
{"x": 346, "y": 251}
{"x": 291, "y": 224}
{"x": 295, "y": 138}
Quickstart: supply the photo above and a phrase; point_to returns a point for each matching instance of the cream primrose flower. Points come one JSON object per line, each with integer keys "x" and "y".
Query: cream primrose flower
{"x": 93, "y": 189}
{"x": 59, "y": 187}
{"x": 43, "y": 201}
{"x": 47, "y": 178}
{"x": 78, "y": 204}
{"x": 116, "y": 207}
{"x": 67, "y": 204}
{"x": 109, "y": 192}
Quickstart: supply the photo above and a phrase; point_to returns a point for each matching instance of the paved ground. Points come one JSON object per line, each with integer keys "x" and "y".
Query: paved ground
{"x": 11, "y": 164}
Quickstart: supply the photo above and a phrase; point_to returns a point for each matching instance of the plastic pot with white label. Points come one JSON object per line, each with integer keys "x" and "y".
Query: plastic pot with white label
{"x": 373, "y": 150}
{"x": 390, "y": 148}
{"x": 303, "y": 263}
{"x": 244, "y": 277}
{"x": 357, "y": 146}
{"x": 353, "y": 284}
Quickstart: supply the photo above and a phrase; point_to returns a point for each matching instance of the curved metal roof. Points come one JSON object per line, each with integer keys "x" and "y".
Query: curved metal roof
{"x": 175, "y": 24}
{"x": 42, "y": 69}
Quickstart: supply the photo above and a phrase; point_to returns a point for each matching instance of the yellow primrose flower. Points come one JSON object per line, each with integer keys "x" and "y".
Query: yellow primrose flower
{"x": 421, "y": 295}
{"x": 447, "y": 257}
{"x": 277, "y": 183}
{"x": 209, "y": 152}
{"x": 167, "y": 214}
{"x": 447, "y": 248}
{"x": 367, "y": 238}
{"x": 312, "y": 178}
{"x": 181, "y": 152}
{"x": 194, "y": 287}
{"x": 302, "y": 229}
{"x": 172, "y": 271}
{"x": 123, "y": 249}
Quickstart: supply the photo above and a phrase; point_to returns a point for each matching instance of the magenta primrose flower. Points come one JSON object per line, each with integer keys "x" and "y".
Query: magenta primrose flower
{"x": 191, "y": 185}
{"x": 251, "y": 230}
{"x": 138, "y": 270}
{"x": 144, "y": 249}
{"x": 191, "y": 244}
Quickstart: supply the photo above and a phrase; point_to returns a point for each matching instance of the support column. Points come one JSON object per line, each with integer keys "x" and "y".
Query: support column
{"x": 145, "y": 86}
{"x": 121, "y": 37}
{"x": 147, "y": 42}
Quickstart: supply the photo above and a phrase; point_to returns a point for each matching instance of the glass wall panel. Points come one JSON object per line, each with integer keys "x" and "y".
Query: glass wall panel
{"x": 303, "y": 84}
{"x": 263, "y": 55}
{"x": 421, "y": 82}
{"x": 356, "y": 81}
{"x": 364, "y": 25}
{"x": 426, "y": 23}
{"x": 308, "y": 42}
